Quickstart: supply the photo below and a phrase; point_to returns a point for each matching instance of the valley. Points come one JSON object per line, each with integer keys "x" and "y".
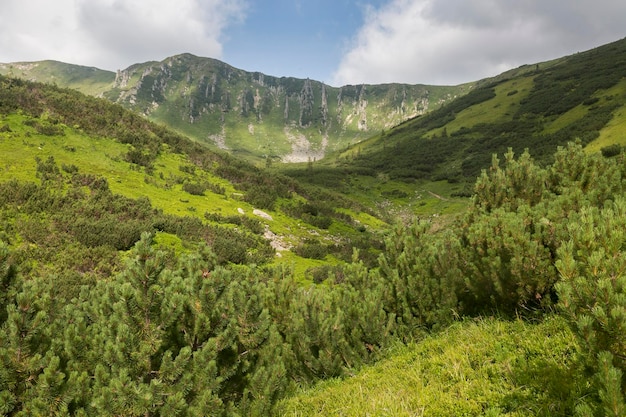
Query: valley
{"x": 186, "y": 238}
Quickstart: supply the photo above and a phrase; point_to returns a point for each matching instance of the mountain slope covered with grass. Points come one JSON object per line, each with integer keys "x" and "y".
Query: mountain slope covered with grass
{"x": 81, "y": 142}
{"x": 536, "y": 107}
{"x": 139, "y": 271}
{"x": 487, "y": 367}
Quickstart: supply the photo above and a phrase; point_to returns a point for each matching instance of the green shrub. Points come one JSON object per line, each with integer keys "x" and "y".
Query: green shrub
{"x": 321, "y": 273}
{"x": 611, "y": 150}
{"x": 194, "y": 188}
{"x": 422, "y": 274}
{"x": 311, "y": 249}
{"x": 592, "y": 296}
{"x": 507, "y": 265}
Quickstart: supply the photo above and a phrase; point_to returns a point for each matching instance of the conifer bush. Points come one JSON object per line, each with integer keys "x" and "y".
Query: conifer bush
{"x": 592, "y": 295}
{"x": 422, "y": 276}
{"x": 507, "y": 265}
{"x": 8, "y": 275}
{"x": 180, "y": 336}
{"x": 519, "y": 182}
{"x": 195, "y": 188}
{"x": 518, "y": 220}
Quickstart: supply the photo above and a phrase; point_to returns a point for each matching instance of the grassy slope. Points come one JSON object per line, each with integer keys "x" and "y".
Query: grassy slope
{"x": 538, "y": 107}
{"x": 484, "y": 367}
{"x": 615, "y": 131}
{"x": 87, "y": 80}
{"x": 390, "y": 199}
{"x": 105, "y": 157}
{"x": 502, "y": 107}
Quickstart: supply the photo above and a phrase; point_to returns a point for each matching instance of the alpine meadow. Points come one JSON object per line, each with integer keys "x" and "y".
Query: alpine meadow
{"x": 184, "y": 238}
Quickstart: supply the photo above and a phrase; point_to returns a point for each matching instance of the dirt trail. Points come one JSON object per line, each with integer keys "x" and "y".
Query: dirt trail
{"x": 437, "y": 196}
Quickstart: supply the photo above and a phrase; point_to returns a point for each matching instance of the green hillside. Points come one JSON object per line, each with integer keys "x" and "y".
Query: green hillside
{"x": 87, "y": 80}
{"x": 87, "y": 137}
{"x": 143, "y": 274}
{"x": 536, "y": 107}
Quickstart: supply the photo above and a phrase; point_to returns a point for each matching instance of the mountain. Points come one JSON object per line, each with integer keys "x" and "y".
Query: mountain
{"x": 377, "y": 140}
{"x": 251, "y": 114}
{"x": 140, "y": 275}
{"x": 398, "y": 130}
{"x": 536, "y": 107}
{"x": 87, "y": 80}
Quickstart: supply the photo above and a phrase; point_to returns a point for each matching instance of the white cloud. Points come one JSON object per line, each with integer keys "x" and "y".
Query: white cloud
{"x": 32, "y": 28}
{"x": 455, "y": 41}
{"x": 113, "y": 34}
{"x": 414, "y": 41}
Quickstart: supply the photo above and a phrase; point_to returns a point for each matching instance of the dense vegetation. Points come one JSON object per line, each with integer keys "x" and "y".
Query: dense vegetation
{"x": 539, "y": 107}
{"x": 165, "y": 334}
{"x": 44, "y": 114}
{"x": 114, "y": 306}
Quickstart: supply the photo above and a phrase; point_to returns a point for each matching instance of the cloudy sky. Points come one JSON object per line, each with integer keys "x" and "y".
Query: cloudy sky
{"x": 335, "y": 41}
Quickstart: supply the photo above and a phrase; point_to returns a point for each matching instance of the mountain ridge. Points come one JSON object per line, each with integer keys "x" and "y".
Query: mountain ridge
{"x": 254, "y": 115}
{"x": 266, "y": 119}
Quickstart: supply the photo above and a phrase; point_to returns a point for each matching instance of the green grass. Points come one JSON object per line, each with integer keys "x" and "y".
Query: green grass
{"x": 566, "y": 119}
{"x": 502, "y": 107}
{"x": 87, "y": 80}
{"x": 615, "y": 131}
{"x": 486, "y": 367}
{"x": 397, "y": 199}
{"x": 21, "y": 146}
{"x": 610, "y": 134}
{"x": 104, "y": 157}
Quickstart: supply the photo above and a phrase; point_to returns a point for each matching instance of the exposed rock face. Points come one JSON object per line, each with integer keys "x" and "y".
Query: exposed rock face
{"x": 276, "y": 241}
{"x": 361, "y": 110}
{"x": 121, "y": 79}
{"x": 306, "y": 104}
{"x": 324, "y": 107}
{"x": 302, "y": 150}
